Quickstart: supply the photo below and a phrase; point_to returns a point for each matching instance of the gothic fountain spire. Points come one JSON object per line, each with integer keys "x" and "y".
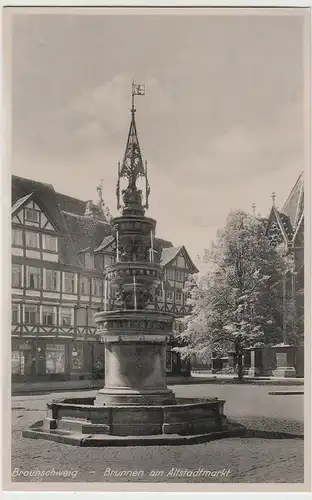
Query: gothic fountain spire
{"x": 132, "y": 166}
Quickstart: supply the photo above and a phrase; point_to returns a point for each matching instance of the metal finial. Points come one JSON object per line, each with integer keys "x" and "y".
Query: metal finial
{"x": 253, "y": 209}
{"x": 273, "y": 198}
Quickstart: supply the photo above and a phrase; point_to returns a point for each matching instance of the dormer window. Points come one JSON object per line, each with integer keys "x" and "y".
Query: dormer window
{"x": 32, "y": 215}
{"x": 89, "y": 261}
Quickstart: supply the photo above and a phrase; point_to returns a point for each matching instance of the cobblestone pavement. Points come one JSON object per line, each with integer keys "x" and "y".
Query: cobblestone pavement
{"x": 261, "y": 458}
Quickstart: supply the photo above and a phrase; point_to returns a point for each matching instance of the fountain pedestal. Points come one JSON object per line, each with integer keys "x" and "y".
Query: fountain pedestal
{"x": 135, "y": 370}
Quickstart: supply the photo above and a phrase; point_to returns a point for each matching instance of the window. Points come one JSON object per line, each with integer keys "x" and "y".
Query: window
{"x": 17, "y": 237}
{"x": 52, "y": 279}
{"x": 97, "y": 286}
{"x": 91, "y": 321}
{"x": 170, "y": 274}
{"x": 32, "y": 239}
{"x": 31, "y": 314}
{"x": 89, "y": 261}
{"x": 84, "y": 285}
{"x": 178, "y": 297}
{"x": 50, "y": 242}
{"x": 66, "y": 316}
{"x": 15, "y": 314}
{"x": 33, "y": 278}
{"x": 77, "y": 357}
{"x": 32, "y": 215}
{"x": 179, "y": 275}
{"x": 69, "y": 282}
{"x": 181, "y": 261}
{"x": 55, "y": 358}
{"x": 16, "y": 275}
{"x": 18, "y": 363}
{"x": 47, "y": 315}
{"x": 169, "y": 296}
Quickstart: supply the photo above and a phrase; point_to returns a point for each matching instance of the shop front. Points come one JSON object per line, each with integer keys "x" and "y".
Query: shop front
{"x": 56, "y": 359}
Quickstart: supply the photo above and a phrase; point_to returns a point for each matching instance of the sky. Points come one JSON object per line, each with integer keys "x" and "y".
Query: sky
{"x": 221, "y": 124}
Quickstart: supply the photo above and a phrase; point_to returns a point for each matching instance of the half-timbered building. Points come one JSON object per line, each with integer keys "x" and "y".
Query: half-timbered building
{"x": 60, "y": 248}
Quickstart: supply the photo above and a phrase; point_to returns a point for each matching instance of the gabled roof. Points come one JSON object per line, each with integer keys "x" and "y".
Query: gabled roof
{"x": 169, "y": 254}
{"x": 45, "y": 196}
{"x": 294, "y": 205}
{"x": 290, "y": 216}
{"x": 19, "y": 203}
{"x": 108, "y": 240}
{"x": 275, "y": 216}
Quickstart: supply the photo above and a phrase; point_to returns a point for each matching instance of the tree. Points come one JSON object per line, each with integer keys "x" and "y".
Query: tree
{"x": 237, "y": 300}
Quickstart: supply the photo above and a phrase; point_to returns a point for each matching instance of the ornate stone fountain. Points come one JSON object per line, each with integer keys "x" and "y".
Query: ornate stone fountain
{"x": 135, "y": 400}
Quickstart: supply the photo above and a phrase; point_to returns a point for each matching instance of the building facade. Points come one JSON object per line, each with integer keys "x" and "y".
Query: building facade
{"x": 60, "y": 248}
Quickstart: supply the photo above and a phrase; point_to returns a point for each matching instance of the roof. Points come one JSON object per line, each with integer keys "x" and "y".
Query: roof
{"x": 293, "y": 207}
{"x": 290, "y": 216}
{"x": 105, "y": 243}
{"x": 86, "y": 232}
{"x": 46, "y": 198}
{"x": 168, "y": 254}
{"x": 78, "y": 232}
{"x": 70, "y": 204}
{"x": 20, "y": 202}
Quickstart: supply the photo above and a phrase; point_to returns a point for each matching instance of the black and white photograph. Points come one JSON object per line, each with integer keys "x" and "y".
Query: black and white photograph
{"x": 157, "y": 171}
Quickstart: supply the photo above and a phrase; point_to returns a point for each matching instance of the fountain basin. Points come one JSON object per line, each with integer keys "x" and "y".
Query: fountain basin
{"x": 79, "y": 422}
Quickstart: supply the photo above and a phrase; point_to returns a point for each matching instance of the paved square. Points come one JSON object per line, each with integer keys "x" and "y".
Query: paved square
{"x": 262, "y": 458}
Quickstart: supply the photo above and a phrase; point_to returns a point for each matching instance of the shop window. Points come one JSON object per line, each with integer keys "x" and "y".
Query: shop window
{"x": 32, "y": 239}
{"x": 15, "y": 313}
{"x": 77, "y": 357}
{"x": 16, "y": 275}
{"x": 17, "y": 237}
{"x": 48, "y": 315}
{"x": 33, "y": 278}
{"x": 66, "y": 316}
{"x": 50, "y": 242}
{"x": 84, "y": 285}
{"x": 31, "y": 314}
{"x": 17, "y": 363}
{"x": 69, "y": 282}
{"x": 32, "y": 215}
{"x": 52, "y": 279}
{"x": 55, "y": 358}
